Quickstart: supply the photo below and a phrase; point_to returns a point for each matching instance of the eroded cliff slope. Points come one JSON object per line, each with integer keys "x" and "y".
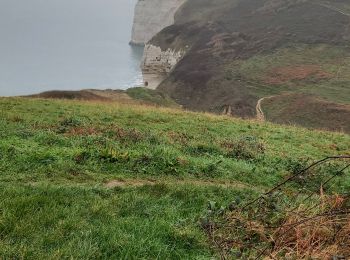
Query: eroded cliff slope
{"x": 238, "y": 51}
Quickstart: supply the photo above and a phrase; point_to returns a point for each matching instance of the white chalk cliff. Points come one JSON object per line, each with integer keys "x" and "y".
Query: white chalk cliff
{"x": 152, "y": 16}
{"x": 157, "y": 63}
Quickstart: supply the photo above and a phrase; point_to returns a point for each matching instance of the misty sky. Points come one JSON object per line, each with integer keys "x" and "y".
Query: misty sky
{"x": 66, "y": 44}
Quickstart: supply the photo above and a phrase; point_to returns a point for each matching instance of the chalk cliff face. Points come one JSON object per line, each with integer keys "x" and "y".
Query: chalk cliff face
{"x": 224, "y": 55}
{"x": 151, "y": 16}
{"x": 157, "y": 64}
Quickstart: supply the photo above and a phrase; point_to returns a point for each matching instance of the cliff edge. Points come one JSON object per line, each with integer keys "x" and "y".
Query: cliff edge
{"x": 151, "y": 16}
{"x": 231, "y": 53}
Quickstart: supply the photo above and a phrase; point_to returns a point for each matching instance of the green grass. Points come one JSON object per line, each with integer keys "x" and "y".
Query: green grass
{"x": 151, "y": 96}
{"x": 57, "y": 156}
{"x": 93, "y": 223}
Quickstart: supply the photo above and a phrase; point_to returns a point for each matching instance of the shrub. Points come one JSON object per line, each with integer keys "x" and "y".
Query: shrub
{"x": 151, "y": 96}
{"x": 246, "y": 148}
{"x": 81, "y": 157}
{"x": 66, "y": 123}
{"x": 113, "y": 155}
{"x": 131, "y": 135}
{"x": 203, "y": 149}
{"x": 281, "y": 229}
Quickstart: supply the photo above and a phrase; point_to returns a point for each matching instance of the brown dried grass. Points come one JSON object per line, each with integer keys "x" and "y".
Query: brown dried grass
{"x": 284, "y": 74}
{"x": 321, "y": 231}
{"x": 323, "y": 234}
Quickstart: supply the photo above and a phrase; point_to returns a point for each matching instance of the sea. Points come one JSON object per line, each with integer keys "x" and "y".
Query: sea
{"x": 67, "y": 45}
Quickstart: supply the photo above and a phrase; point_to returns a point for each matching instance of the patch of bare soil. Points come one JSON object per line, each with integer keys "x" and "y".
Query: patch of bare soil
{"x": 129, "y": 182}
{"x": 145, "y": 182}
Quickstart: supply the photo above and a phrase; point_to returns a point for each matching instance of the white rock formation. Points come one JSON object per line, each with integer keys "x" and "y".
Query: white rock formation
{"x": 152, "y": 16}
{"x": 156, "y": 64}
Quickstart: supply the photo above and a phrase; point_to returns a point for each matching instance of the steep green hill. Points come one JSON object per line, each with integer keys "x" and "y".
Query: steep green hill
{"x": 240, "y": 51}
{"x": 94, "y": 180}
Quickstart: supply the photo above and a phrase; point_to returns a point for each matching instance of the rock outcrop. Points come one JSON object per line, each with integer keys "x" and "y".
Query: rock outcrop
{"x": 151, "y": 16}
{"x": 157, "y": 64}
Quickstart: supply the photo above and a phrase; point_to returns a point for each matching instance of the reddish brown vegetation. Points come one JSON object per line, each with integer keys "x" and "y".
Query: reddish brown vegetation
{"x": 308, "y": 111}
{"x": 284, "y": 223}
{"x": 128, "y": 134}
{"x": 82, "y": 131}
{"x": 319, "y": 237}
{"x": 301, "y": 72}
{"x": 177, "y": 137}
{"x": 302, "y": 234}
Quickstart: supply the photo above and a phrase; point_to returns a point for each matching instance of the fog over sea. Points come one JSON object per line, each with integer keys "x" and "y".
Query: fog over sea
{"x": 67, "y": 45}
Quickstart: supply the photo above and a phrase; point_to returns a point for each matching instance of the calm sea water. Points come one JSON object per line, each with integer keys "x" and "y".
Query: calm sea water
{"x": 66, "y": 45}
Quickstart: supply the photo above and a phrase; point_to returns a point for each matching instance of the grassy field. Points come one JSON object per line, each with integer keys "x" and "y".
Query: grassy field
{"x": 98, "y": 180}
{"x": 151, "y": 97}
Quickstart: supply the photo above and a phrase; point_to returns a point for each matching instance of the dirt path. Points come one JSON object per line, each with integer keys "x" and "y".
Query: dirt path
{"x": 206, "y": 183}
{"x": 260, "y": 116}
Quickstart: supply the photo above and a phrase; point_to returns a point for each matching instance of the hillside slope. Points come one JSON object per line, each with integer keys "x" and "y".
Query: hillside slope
{"x": 240, "y": 51}
{"x": 102, "y": 180}
{"x": 135, "y": 96}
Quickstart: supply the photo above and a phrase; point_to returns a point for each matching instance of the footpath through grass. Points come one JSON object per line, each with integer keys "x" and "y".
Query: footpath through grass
{"x": 59, "y": 160}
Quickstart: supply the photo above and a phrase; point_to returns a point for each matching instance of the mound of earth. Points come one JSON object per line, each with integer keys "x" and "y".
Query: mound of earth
{"x": 90, "y": 95}
{"x": 130, "y": 96}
